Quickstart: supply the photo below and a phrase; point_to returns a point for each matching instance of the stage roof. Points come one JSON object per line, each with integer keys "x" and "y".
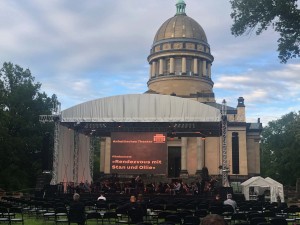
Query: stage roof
{"x": 144, "y": 108}
{"x": 176, "y": 116}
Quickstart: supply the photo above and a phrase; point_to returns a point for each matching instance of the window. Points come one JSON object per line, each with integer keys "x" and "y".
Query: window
{"x": 235, "y": 153}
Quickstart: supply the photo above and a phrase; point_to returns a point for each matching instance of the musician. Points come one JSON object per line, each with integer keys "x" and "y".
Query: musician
{"x": 206, "y": 182}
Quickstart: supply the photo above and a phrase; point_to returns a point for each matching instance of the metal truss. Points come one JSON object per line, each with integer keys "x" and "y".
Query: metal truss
{"x": 225, "y": 169}
{"x": 91, "y": 159}
{"x": 76, "y": 156}
{"x": 55, "y": 153}
{"x": 54, "y": 117}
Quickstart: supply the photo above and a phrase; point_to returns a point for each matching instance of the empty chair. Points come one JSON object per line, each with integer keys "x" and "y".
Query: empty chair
{"x": 4, "y": 216}
{"x": 278, "y": 221}
{"x": 254, "y": 215}
{"x": 167, "y": 223}
{"x": 173, "y": 218}
{"x": 216, "y": 210}
{"x": 171, "y": 207}
{"x": 109, "y": 217}
{"x": 256, "y": 220}
{"x": 162, "y": 216}
{"x": 191, "y": 220}
{"x": 144, "y": 223}
{"x": 158, "y": 208}
{"x": 61, "y": 215}
{"x": 93, "y": 216}
{"x": 238, "y": 217}
{"x": 201, "y": 213}
{"x": 184, "y": 213}
{"x": 17, "y": 215}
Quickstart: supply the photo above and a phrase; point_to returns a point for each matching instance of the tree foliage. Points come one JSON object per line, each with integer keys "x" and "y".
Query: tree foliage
{"x": 21, "y": 133}
{"x": 282, "y": 15}
{"x": 281, "y": 149}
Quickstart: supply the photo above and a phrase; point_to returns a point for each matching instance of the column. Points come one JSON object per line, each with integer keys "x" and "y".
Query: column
{"x": 172, "y": 68}
{"x": 195, "y": 70}
{"x": 209, "y": 70}
{"x": 183, "y": 66}
{"x": 183, "y": 171}
{"x": 150, "y": 71}
{"x": 204, "y": 72}
{"x": 200, "y": 155}
{"x": 161, "y": 67}
{"x": 153, "y": 69}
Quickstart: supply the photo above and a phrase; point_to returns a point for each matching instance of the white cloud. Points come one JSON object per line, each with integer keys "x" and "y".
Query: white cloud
{"x": 86, "y": 50}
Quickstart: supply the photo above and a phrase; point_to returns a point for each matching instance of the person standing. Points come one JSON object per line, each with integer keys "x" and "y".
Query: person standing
{"x": 77, "y": 211}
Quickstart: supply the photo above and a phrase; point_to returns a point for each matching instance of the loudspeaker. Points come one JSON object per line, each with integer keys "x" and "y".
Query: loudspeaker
{"x": 46, "y": 153}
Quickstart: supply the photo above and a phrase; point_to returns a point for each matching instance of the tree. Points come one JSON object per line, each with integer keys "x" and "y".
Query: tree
{"x": 282, "y": 15}
{"x": 281, "y": 149}
{"x": 21, "y": 133}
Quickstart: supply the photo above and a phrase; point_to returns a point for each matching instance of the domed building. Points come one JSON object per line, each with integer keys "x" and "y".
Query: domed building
{"x": 172, "y": 130}
{"x": 181, "y": 65}
{"x": 180, "y": 59}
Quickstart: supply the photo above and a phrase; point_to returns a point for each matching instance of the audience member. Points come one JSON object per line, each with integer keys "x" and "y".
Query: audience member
{"x": 101, "y": 197}
{"x": 77, "y": 211}
{"x": 231, "y": 202}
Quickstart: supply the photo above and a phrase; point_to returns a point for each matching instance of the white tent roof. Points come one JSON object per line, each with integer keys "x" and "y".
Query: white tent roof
{"x": 256, "y": 181}
{"x": 270, "y": 180}
{"x": 141, "y": 108}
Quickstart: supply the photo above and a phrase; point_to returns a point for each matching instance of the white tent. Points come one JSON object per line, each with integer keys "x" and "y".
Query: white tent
{"x": 278, "y": 189}
{"x": 259, "y": 185}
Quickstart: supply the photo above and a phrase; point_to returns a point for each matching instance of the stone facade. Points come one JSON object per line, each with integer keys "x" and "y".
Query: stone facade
{"x": 180, "y": 64}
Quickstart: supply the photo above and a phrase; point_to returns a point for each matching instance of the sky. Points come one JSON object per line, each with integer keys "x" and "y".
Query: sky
{"x": 84, "y": 50}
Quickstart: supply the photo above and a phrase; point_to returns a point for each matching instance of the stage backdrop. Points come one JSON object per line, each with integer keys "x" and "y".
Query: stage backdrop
{"x": 138, "y": 153}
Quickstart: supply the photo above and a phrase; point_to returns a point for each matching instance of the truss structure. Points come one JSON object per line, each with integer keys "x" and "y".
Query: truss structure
{"x": 92, "y": 150}
{"x": 55, "y": 153}
{"x": 225, "y": 169}
{"x": 54, "y": 117}
{"x": 76, "y": 154}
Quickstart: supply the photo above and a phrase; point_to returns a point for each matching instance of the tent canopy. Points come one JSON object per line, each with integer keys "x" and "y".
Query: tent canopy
{"x": 259, "y": 184}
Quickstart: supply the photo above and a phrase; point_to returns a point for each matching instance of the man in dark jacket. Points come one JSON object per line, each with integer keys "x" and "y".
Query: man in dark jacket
{"x": 77, "y": 211}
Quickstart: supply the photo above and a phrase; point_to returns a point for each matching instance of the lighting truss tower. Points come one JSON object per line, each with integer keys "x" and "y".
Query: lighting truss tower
{"x": 54, "y": 117}
{"x": 225, "y": 169}
{"x": 92, "y": 151}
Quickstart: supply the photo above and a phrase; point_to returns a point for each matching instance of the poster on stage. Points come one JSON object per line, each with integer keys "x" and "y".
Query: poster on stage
{"x": 138, "y": 153}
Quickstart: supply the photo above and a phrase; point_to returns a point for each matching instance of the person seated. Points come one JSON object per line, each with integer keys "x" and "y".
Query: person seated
{"x": 177, "y": 187}
{"x": 77, "y": 211}
{"x": 231, "y": 202}
{"x": 101, "y": 197}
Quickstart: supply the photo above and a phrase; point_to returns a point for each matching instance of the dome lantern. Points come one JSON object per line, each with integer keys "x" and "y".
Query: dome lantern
{"x": 180, "y": 6}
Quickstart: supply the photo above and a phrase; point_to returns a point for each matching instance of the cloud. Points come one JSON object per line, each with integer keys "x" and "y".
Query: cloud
{"x": 86, "y": 50}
